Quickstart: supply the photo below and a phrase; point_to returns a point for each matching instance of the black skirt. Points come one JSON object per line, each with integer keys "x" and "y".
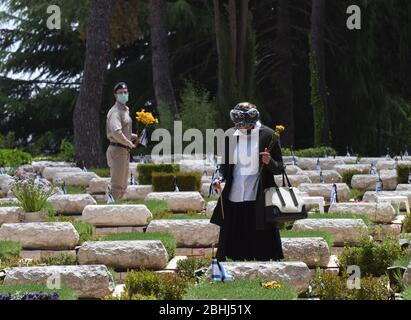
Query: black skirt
{"x": 240, "y": 240}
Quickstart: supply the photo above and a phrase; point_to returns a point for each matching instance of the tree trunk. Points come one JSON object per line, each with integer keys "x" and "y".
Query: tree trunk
{"x": 163, "y": 87}
{"x": 318, "y": 59}
{"x": 235, "y": 61}
{"x": 86, "y": 117}
{"x": 283, "y": 74}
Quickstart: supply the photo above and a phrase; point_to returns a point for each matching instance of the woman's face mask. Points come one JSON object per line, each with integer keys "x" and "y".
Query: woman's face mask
{"x": 122, "y": 97}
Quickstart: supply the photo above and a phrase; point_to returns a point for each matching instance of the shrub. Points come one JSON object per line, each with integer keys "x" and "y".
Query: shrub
{"x": 32, "y": 194}
{"x": 347, "y": 175}
{"x": 311, "y": 152}
{"x": 168, "y": 240}
{"x": 372, "y": 257}
{"x": 9, "y": 249}
{"x": 13, "y": 158}
{"x": 357, "y": 194}
{"x": 149, "y": 284}
{"x": 406, "y": 228}
{"x": 101, "y": 172}
{"x": 240, "y": 289}
{"x": 186, "y": 181}
{"x": 402, "y": 172}
{"x": 125, "y": 296}
{"x": 35, "y": 292}
{"x": 145, "y": 170}
{"x": 85, "y": 230}
{"x": 329, "y": 286}
{"x": 63, "y": 259}
{"x": 187, "y": 267}
{"x": 407, "y": 294}
{"x": 66, "y": 150}
{"x": 308, "y": 234}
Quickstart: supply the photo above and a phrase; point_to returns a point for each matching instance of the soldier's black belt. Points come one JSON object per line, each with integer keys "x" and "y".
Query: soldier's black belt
{"x": 118, "y": 145}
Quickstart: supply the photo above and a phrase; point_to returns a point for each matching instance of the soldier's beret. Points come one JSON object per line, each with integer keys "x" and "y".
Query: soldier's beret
{"x": 121, "y": 85}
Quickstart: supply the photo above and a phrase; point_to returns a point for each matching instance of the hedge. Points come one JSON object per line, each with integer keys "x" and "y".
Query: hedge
{"x": 186, "y": 181}
{"x": 146, "y": 170}
{"x": 402, "y": 172}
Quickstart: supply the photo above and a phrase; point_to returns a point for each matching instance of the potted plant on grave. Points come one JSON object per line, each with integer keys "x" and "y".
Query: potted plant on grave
{"x": 32, "y": 193}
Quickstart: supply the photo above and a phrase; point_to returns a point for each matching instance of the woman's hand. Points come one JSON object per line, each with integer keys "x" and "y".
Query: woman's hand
{"x": 266, "y": 156}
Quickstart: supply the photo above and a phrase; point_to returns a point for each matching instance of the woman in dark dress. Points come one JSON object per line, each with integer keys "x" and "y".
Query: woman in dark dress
{"x": 244, "y": 235}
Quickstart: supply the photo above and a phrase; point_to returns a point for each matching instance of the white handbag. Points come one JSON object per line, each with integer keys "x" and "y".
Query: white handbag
{"x": 284, "y": 203}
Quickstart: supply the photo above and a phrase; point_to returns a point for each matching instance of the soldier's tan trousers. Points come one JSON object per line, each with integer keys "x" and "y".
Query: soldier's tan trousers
{"x": 118, "y": 159}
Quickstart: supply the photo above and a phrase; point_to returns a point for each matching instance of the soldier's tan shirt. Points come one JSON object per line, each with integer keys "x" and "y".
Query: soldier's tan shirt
{"x": 119, "y": 125}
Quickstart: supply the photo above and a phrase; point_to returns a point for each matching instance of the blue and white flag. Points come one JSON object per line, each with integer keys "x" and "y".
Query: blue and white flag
{"x": 84, "y": 169}
{"x": 321, "y": 177}
{"x": 373, "y": 170}
{"x": 144, "y": 138}
{"x": 176, "y": 188}
{"x": 406, "y": 152}
{"x": 63, "y": 187}
{"x": 109, "y": 196}
{"x": 205, "y": 173}
{"x": 348, "y": 153}
{"x": 2, "y": 171}
{"x": 334, "y": 195}
{"x": 318, "y": 165}
{"x": 218, "y": 272}
{"x": 378, "y": 185}
{"x": 132, "y": 181}
{"x": 409, "y": 178}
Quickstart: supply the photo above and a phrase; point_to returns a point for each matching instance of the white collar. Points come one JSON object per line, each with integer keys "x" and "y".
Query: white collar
{"x": 256, "y": 127}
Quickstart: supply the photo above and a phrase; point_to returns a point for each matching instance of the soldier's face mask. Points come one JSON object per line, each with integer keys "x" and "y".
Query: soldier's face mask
{"x": 122, "y": 97}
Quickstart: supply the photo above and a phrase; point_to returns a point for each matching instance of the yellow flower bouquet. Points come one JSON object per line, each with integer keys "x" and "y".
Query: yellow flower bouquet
{"x": 144, "y": 120}
{"x": 271, "y": 285}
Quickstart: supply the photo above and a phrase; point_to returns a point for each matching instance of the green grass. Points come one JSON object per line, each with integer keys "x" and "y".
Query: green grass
{"x": 402, "y": 262}
{"x": 9, "y": 204}
{"x": 308, "y": 234}
{"x": 238, "y": 290}
{"x": 186, "y": 216}
{"x": 65, "y": 293}
{"x": 101, "y": 172}
{"x": 356, "y": 193}
{"x": 168, "y": 240}
{"x": 75, "y": 190}
{"x": 407, "y": 294}
{"x": 340, "y": 215}
{"x": 85, "y": 230}
{"x": 9, "y": 249}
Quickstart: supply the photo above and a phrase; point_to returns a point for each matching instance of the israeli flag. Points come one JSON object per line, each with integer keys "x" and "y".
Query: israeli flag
{"x": 318, "y": 165}
{"x": 373, "y": 170}
{"x": 37, "y": 180}
{"x": 219, "y": 273}
{"x": 388, "y": 154}
{"x": 321, "y": 177}
{"x": 2, "y": 171}
{"x": 294, "y": 161}
{"x": 84, "y": 169}
{"x": 406, "y": 152}
{"x": 144, "y": 138}
{"x": 132, "y": 181}
{"x": 333, "y": 196}
{"x": 63, "y": 187}
{"x": 176, "y": 188}
{"x": 409, "y": 178}
{"x": 348, "y": 153}
{"x": 205, "y": 173}
{"x": 378, "y": 185}
{"x": 109, "y": 196}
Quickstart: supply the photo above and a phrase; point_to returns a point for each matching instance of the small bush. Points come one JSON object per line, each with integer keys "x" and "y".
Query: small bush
{"x": 13, "y": 158}
{"x": 168, "y": 240}
{"x": 187, "y": 267}
{"x": 62, "y": 259}
{"x": 9, "y": 249}
{"x": 357, "y": 194}
{"x": 347, "y": 175}
{"x": 372, "y": 257}
{"x": 145, "y": 171}
{"x": 85, "y": 230}
{"x": 101, "y": 172}
{"x": 125, "y": 296}
{"x": 329, "y": 286}
{"x": 186, "y": 181}
{"x": 66, "y": 150}
{"x": 311, "y": 152}
{"x": 406, "y": 228}
{"x": 407, "y": 294}
{"x": 150, "y": 284}
{"x": 402, "y": 172}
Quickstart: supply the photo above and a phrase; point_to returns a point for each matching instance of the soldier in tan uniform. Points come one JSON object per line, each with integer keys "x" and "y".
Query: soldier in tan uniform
{"x": 122, "y": 140}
